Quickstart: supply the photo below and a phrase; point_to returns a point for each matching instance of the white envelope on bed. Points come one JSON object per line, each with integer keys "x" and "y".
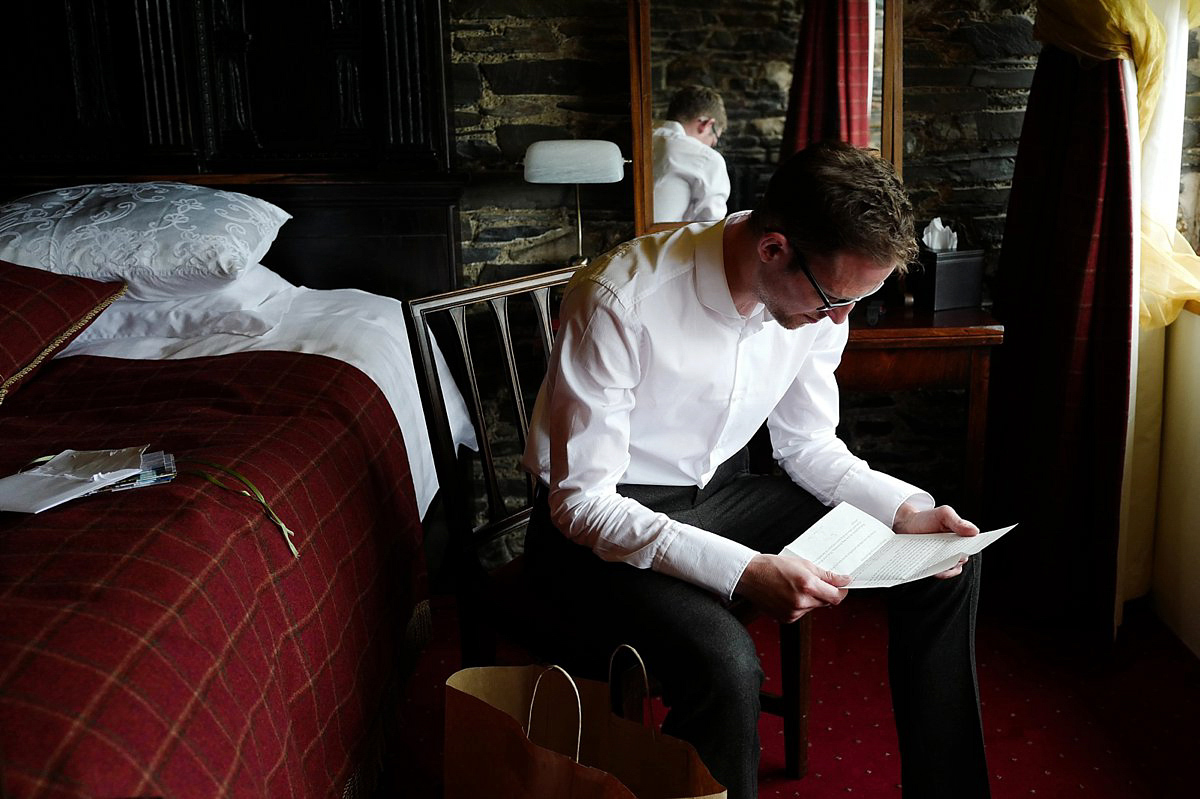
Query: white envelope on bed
{"x": 69, "y": 474}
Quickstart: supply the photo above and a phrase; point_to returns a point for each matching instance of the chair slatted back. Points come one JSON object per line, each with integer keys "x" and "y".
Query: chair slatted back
{"x": 483, "y": 355}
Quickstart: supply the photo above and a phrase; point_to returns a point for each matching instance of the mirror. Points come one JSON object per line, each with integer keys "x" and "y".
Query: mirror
{"x": 748, "y": 54}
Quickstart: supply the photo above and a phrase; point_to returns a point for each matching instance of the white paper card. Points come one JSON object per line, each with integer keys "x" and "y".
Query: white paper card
{"x": 850, "y": 541}
{"x": 69, "y": 474}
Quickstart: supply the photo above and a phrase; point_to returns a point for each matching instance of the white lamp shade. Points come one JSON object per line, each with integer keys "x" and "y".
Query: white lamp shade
{"x": 574, "y": 161}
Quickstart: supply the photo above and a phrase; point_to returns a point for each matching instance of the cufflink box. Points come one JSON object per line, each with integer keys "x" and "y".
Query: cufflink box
{"x": 947, "y": 279}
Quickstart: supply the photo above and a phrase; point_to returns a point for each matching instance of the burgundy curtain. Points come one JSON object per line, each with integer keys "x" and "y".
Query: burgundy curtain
{"x": 1060, "y": 383}
{"x": 828, "y": 98}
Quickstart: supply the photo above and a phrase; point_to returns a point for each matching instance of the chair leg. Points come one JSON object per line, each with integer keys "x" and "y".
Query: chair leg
{"x": 795, "y": 654}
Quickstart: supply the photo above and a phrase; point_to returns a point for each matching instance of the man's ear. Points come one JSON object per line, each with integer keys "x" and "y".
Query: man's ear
{"x": 773, "y": 245}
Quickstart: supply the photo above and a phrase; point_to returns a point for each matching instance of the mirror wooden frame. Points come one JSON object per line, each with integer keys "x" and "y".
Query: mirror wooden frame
{"x": 892, "y": 135}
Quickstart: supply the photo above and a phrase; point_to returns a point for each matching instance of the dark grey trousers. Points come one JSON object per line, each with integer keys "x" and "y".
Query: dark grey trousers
{"x": 706, "y": 661}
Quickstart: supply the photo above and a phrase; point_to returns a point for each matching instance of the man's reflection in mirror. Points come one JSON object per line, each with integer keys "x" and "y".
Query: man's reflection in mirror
{"x": 690, "y": 180}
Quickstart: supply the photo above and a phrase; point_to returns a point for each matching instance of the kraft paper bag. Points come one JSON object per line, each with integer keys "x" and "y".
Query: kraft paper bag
{"x": 488, "y": 753}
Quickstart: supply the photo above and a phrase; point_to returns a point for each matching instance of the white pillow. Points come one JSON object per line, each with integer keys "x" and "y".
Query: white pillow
{"x": 249, "y": 306}
{"x": 166, "y": 240}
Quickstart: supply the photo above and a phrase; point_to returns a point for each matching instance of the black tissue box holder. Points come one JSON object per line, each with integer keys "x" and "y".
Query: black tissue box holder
{"x": 947, "y": 279}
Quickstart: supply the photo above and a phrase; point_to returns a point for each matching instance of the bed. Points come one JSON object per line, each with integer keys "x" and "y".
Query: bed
{"x": 165, "y": 640}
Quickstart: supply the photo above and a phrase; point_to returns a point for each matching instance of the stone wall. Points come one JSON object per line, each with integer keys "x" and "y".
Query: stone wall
{"x": 967, "y": 72}
{"x": 523, "y": 71}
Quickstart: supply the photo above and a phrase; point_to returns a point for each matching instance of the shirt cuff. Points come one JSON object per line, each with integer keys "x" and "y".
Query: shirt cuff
{"x": 705, "y": 559}
{"x": 880, "y": 495}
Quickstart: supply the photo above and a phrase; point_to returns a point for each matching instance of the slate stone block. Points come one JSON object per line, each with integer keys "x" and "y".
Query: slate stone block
{"x": 560, "y": 76}
{"x": 1001, "y": 78}
{"x": 464, "y": 83}
{"x": 510, "y": 39}
{"x": 466, "y": 119}
{"x": 1000, "y": 125}
{"x": 944, "y": 102}
{"x": 937, "y": 76}
{"x": 511, "y": 233}
{"x": 1002, "y": 38}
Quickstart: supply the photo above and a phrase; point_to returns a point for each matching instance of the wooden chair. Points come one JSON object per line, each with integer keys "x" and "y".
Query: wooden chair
{"x": 497, "y": 339}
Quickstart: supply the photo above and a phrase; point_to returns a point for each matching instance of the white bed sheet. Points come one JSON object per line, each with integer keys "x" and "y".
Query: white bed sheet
{"x": 365, "y": 330}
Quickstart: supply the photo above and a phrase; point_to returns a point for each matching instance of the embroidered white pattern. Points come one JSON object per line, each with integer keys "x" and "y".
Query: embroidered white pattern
{"x": 164, "y": 239}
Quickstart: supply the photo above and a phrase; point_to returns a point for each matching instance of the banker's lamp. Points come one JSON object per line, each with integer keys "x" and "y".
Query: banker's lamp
{"x": 574, "y": 161}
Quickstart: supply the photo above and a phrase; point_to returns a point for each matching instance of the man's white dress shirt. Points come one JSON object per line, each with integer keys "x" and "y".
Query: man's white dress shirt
{"x": 691, "y": 183}
{"x": 656, "y": 379}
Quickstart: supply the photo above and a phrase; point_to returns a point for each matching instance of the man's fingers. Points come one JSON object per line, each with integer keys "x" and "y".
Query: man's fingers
{"x": 789, "y": 587}
{"x": 958, "y": 524}
{"x": 953, "y": 571}
{"x": 943, "y": 518}
{"x": 839, "y": 580}
{"x": 829, "y": 588}
{"x": 965, "y": 528}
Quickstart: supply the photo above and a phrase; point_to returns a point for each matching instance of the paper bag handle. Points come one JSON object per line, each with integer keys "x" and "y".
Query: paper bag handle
{"x": 645, "y": 679}
{"x": 578, "y": 705}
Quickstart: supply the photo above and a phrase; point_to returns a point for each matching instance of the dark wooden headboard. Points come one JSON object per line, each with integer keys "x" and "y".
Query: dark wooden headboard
{"x": 335, "y": 111}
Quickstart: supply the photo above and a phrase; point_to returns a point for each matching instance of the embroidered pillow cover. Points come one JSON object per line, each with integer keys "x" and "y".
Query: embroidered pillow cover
{"x": 165, "y": 240}
{"x": 40, "y": 315}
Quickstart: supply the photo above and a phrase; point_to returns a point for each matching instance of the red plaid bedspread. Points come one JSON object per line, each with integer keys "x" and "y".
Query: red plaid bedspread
{"x": 163, "y": 641}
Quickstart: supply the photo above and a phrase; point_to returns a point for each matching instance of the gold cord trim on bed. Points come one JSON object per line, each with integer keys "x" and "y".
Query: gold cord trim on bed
{"x": 58, "y": 341}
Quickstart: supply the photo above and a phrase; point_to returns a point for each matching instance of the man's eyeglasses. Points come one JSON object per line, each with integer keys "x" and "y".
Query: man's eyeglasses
{"x": 829, "y": 302}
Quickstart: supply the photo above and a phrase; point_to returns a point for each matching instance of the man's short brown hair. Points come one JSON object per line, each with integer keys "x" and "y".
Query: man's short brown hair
{"x": 832, "y": 197}
{"x": 697, "y": 102}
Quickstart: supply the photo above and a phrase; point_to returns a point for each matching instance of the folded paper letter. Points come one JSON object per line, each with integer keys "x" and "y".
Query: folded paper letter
{"x": 849, "y": 541}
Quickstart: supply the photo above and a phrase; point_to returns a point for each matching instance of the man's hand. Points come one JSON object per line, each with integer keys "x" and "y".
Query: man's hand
{"x": 786, "y": 587}
{"x": 942, "y": 519}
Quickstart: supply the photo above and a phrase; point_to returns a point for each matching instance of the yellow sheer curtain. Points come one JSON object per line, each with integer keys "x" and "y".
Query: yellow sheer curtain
{"x": 1128, "y": 29}
{"x": 1170, "y": 275}
{"x": 1167, "y": 269}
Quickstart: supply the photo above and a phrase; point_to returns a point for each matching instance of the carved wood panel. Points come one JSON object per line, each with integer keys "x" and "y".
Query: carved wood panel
{"x": 227, "y": 85}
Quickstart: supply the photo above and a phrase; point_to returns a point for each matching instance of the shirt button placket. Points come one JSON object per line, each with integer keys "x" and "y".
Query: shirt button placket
{"x": 737, "y": 388}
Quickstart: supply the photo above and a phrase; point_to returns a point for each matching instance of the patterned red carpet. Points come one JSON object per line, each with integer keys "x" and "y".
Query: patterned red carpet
{"x": 1059, "y": 724}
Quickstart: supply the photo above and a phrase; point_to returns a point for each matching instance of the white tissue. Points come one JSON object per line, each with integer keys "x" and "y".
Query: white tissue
{"x": 939, "y": 237}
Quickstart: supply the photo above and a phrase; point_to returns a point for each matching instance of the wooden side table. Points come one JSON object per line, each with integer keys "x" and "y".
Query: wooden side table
{"x": 910, "y": 349}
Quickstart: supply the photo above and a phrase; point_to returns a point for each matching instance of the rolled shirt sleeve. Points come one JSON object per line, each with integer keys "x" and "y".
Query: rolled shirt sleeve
{"x": 804, "y": 439}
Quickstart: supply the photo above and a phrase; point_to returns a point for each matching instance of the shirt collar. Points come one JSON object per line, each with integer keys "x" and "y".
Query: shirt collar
{"x": 672, "y": 128}
{"x": 712, "y": 285}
